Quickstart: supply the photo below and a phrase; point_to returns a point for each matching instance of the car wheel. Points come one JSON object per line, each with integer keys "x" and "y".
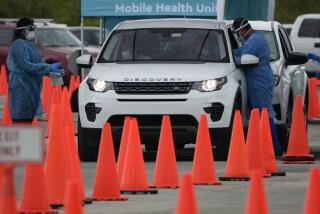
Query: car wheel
{"x": 223, "y": 141}
{"x": 88, "y": 143}
{"x": 283, "y": 130}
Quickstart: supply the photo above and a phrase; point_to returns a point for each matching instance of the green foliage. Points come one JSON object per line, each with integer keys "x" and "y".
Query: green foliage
{"x": 286, "y": 11}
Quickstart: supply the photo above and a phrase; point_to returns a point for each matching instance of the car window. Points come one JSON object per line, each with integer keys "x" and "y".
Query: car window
{"x": 286, "y": 40}
{"x": 53, "y": 37}
{"x": 272, "y": 43}
{"x": 288, "y": 30}
{"x": 310, "y": 28}
{"x": 166, "y": 44}
{"x": 6, "y": 37}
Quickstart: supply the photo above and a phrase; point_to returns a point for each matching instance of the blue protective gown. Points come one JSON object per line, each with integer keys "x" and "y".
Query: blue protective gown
{"x": 259, "y": 78}
{"x": 26, "y": 68}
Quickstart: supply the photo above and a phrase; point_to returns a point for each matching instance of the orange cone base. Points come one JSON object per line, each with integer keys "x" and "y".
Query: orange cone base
{"x": 87, "y": 201}
{"x": 163, "y": 187}
{"x": 139, "y": 192}
{"x": 234, "y": 178}
{"x": 205, "y": 183}
{"x": 278, "y": 174}
{"x": 39, "y": 211}
{"x": 56, "y": 206}
{"x": 298, "y": 159}
{"x": 110, "y": 199}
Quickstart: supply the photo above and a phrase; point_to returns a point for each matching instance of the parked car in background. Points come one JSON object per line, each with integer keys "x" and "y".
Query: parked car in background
{"x": 182, "y": 68}
{"x": 91, "y": 35}
{"x": 287, "y": 28}
{"x": 305, "y": 36}
{"x": 55, "y": 41}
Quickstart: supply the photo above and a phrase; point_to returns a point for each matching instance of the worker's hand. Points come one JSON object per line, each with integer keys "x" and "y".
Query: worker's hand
{"x": 312, "y": 56}
{"x": 55, "y": 66}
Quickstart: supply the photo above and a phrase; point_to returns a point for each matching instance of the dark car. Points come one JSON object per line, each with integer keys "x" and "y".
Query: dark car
{"x": 55, "y": 41}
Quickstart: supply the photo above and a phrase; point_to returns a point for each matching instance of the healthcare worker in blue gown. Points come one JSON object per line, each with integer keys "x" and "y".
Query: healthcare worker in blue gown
{"x": 26, "y": 69}
{"x": 259, "y": 78}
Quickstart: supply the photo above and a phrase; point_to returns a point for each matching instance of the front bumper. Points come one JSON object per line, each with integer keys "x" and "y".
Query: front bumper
{"x": 97, "y": 108}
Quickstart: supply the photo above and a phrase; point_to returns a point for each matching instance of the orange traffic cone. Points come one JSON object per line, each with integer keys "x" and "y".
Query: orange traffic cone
{"x": 56, "y": 160}
{"x": 266, "y": 140}
{"x": 203, "y": 168}
{"x": 313, "y": 107}
{"x": 72, "y": 202}
{"x": 45, "y": 93}
{"x": 312, "y": 205}
{"x": 7, "y": 191}
{"x": 298, "y": 148}
{"x": 187, "y": 203}
{"x": 106, "y": 183}
{"x": 3, "y": 81}
{"x": 34, "y": 197}
{"x": 254, "y": 147}
{"x": 123, "y": 147}
{"x": 71, "y": 86}
{"x": 166, "y": 172}
{"x": 6, "y": 117}
{"x": 55, "y": 99}
{"x": 256, "y": 200}
{"x": 134, "y": 178}
{"x": 237, "y": 164}
{"x": 73, "y": 164}
{"x": 67, "y": 113}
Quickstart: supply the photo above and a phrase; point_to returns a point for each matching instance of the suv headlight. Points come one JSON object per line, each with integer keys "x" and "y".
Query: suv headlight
{"x": 210, "y": 85}
{"x": 99, "y": 85}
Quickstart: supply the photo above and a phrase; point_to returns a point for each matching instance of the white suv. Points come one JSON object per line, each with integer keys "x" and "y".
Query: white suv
{"x": 182, "y": 68}
{"x": 305, "y": 36}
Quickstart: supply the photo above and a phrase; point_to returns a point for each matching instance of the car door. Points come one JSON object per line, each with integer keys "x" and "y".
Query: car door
{"x": 293, "y": 75}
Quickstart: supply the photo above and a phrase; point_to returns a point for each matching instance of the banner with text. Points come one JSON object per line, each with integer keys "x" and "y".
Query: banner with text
{"x": 103, "y": 8}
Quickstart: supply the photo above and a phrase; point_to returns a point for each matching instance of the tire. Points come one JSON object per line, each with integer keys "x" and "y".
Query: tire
{"x": 88, "y": 143}
{"x": 223, "y": 140}
{"x": 283, "y": 130}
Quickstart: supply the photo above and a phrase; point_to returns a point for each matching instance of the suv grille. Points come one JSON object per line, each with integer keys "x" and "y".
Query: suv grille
{"x": 152, "y": 87}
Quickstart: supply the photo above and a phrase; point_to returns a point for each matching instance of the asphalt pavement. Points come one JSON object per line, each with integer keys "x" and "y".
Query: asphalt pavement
{"x": 284, "y": 194}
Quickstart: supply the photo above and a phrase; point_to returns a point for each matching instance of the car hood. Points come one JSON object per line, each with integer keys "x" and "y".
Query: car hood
{"x": 175, "y": 72}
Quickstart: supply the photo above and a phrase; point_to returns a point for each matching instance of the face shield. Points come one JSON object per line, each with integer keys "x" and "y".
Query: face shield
{"x": 30, "y": 31}
{"x": 237, "y": 31}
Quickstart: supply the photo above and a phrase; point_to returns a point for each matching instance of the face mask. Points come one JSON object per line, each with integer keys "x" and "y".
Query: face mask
{"x": 30, "y": 35}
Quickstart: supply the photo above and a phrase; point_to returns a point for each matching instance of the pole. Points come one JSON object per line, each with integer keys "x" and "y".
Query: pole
{"x": 82, "y": 35}
{"x": 100, "y": 33}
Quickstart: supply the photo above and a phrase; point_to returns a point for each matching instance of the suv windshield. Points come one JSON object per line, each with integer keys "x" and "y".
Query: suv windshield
{"x": 53, "y": 37}
{"x": 166, "y": 44}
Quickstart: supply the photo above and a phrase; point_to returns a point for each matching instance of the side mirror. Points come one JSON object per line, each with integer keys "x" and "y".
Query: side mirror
{"x": 84, "y": 61}
{"x": 248, "y": 60}
{"x": 296, "y": 58}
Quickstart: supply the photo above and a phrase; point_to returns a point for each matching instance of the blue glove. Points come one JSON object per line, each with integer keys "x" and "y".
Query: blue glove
{"x": 60, "y": 71}
{"x": 55, "y": 66}
{"x": 313, "y": 56}
{"x": 318, "y": 74}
